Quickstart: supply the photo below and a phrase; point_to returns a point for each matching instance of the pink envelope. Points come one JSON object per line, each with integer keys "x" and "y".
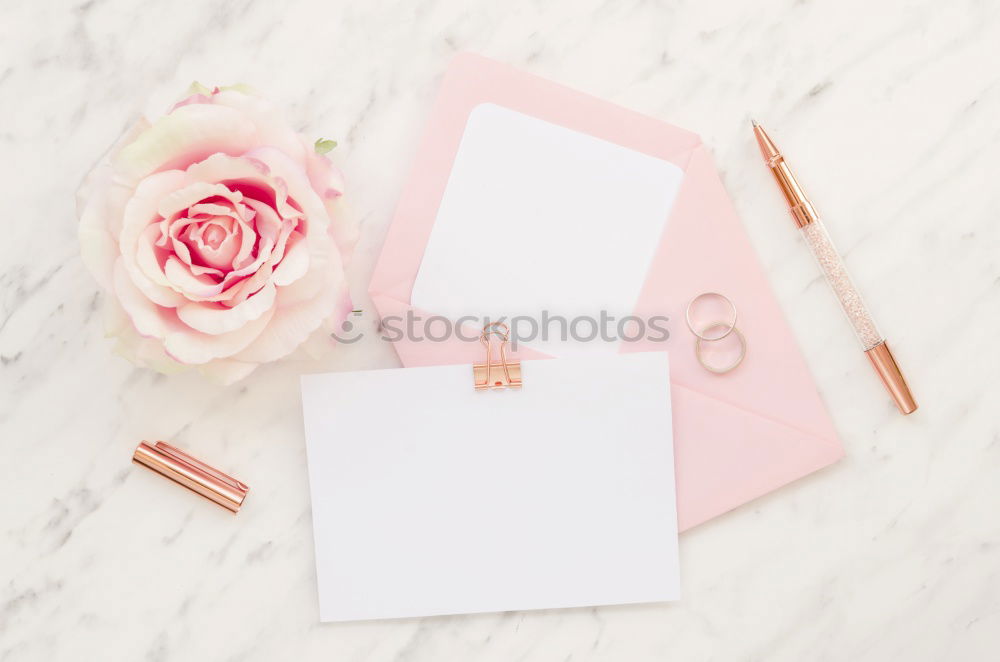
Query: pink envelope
{"x": 737, "y": 436}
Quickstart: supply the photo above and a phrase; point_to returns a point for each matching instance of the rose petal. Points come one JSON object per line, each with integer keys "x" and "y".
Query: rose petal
{"x": 343, "y": 231}
{"x": 317, "y": 237}
{"x": 140, "y": 220}
{"x": 248, "y": 239}
{"x": 149, "y": 277}
{"x": 224, "y": 167}
{"x": 263, "y": 255}
{"x": 211, "y": 209}
{"x": 181, "y": 200}
{"x": 271, "y": 124}
{"x": 149, "y": 319}
{"x": 185, "y": 136}
{"x": 185, "y": 278}
{"x": 328, "y": 182}
{"x": 295, "y": 262}
{"x": 190, "y": 346}
{"x": 294, "y": 180}
{"x": 215, "y": 243}
{"x": 192, "y": 285}
{"x": 294, "y": 323}
{"x": 215, "y": 319}
{"x": 245, "y": 171}
{"x": 142, "y": 208}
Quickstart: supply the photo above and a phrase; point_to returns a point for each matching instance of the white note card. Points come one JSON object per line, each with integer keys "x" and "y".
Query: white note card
{"x": 429, "y": 497}
{"x": 538, "y": 217}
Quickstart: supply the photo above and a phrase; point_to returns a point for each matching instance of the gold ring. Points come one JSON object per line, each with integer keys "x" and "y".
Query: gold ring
{"x": 729, "y": 327}
{"x": 724, "y": 369}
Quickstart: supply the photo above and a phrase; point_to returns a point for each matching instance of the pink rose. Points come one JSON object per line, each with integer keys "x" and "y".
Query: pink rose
{"x": 218, "y": 234}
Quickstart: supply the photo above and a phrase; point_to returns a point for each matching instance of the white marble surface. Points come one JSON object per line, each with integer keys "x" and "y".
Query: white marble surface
{"x": 890, "y": 111}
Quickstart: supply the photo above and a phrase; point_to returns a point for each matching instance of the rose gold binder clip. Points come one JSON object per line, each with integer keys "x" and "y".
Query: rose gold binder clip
{"x": 496, "y": 375}
{"x": 192, "y": 473}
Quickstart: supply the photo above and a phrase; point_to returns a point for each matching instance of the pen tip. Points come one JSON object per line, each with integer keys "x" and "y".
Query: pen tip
{"x": 754, "y": 122}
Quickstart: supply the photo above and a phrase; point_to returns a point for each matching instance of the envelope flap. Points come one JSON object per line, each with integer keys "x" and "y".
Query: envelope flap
{"x": 705, "y": 248}
{"x": 727, "y": 455}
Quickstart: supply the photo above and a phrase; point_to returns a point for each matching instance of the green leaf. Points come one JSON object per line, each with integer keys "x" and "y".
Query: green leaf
{"x": 323, "y": 146}
{"x": 198, "y": 88}
{"x": 239, "y": 87}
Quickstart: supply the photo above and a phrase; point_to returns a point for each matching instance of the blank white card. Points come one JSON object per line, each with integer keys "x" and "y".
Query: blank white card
{"x": 538, "y": 217}
{"x": 431, "y": 498}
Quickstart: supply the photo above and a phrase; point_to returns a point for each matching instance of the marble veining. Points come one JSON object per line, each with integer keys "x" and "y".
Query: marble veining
{"x": 889, "y": 113}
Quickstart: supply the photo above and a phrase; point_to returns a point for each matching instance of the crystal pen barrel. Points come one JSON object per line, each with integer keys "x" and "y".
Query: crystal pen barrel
{"x": 819, "y": 242}
{"x": 833, "y": 268}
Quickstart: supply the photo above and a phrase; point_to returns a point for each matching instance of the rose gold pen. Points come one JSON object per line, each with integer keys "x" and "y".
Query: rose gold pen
{"x": 822, "y": 247}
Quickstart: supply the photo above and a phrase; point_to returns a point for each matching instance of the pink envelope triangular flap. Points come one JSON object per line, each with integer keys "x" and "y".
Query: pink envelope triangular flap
{"x": 737, "y": 436}
{"x": 726, "y": 456}
{"x": 704, "y": 248}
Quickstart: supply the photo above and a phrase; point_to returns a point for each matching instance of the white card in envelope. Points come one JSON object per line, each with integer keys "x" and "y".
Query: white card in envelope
{"x": 562, "y": 222}
{"x": 429, "y": 497}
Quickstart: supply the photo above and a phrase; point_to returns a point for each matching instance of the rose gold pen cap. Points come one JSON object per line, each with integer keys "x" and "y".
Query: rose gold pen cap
{"x": 192, "y": 473}
{"x": 892, "y": 377}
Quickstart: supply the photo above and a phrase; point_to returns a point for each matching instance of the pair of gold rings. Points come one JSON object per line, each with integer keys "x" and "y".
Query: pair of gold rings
{"x": 705, "y": 335}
